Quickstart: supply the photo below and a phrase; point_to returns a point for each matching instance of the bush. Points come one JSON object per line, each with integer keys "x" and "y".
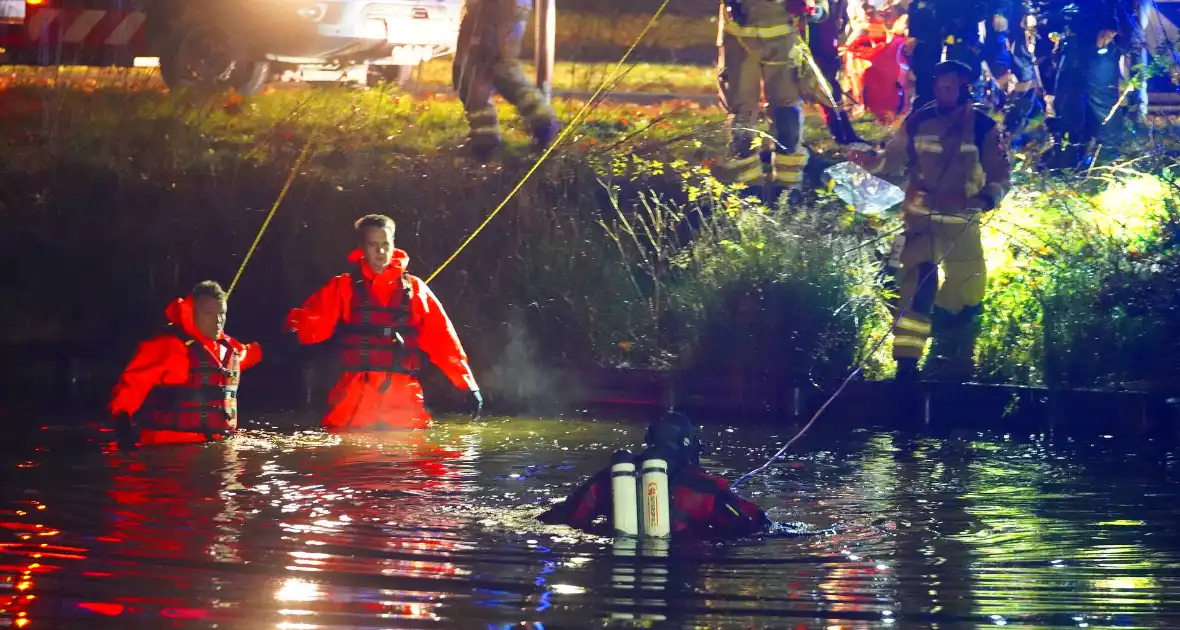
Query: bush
{"x": 1079, "y": 292}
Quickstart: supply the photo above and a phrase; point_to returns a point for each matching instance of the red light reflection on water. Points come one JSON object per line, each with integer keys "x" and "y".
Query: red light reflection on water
{"x": 204, "y": 511}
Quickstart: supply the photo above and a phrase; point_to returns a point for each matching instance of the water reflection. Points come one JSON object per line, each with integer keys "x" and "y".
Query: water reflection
{"x": 639, "y": 580}
{"x": 364, "y": 519}
{"x": 932, "y": 564}
{"x": 405, "y": 530}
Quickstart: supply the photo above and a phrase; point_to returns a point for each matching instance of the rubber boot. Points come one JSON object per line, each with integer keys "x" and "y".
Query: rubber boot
{"x": 952, "y": 350}
{"x": 483, "y": 148}
{"x": 840, "y": 126}
{"x": 907, "y": 371}
{"x": 743, "y": 167}
{"x": 484, "y": 138}
{"x": 905, "y": 407}
{"x": 544, "y": 133}
{"x": 789, "y": 158}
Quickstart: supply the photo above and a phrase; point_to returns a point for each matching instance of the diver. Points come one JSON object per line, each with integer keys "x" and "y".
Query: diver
{"x": 701, "y": 505}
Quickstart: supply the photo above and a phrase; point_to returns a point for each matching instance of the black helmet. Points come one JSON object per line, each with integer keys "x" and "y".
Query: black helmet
{"x": 955, "y": 67}
{"x": 673, "y": 434}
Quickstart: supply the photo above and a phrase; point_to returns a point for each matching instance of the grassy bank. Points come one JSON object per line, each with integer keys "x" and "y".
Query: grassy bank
{"x": 621, "y": 249}
{"x": 571, "y": 76}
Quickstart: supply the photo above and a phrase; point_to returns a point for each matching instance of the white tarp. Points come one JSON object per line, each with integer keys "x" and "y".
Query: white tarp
{"x": 862, "y": 190}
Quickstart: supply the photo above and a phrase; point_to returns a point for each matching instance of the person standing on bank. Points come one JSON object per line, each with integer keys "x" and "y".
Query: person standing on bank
{"x": 824, "y": 38}
{"x": 761, "y": 48}
{"x": 182, "y": 386}
{"x": 385, "y": 321}
{"x": 958, "y": 168}
{"x": 1024, "y": 98}
{"x": 487, "y": 60}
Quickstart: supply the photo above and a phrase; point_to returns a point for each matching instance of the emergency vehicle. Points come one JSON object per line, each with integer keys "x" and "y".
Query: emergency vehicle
{"x": 229, "y": 43}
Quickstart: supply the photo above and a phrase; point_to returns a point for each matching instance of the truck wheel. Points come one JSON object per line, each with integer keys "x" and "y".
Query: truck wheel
{"x": 204, "y": 56}
{"x": 399, "y": 76}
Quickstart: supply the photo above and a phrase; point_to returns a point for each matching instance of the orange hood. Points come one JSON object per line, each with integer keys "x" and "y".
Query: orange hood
{"x": 401, "y": 261}
{"x": 180, "y": 313}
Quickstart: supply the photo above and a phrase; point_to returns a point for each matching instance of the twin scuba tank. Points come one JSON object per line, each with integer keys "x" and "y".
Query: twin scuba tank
{"x": 639, "y": 495}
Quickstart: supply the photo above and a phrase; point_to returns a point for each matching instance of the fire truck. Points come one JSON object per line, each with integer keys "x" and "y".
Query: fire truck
{"x": 230, "y": 43}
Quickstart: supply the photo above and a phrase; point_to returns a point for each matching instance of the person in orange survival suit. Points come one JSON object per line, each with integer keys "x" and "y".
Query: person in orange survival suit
{"x": 702, "y": 505}
{"x": 386, "y": 320}
{"x": 182, "y": 386}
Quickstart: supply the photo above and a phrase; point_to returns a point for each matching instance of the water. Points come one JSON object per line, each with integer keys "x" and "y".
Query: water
{"x": 305, "y": 530}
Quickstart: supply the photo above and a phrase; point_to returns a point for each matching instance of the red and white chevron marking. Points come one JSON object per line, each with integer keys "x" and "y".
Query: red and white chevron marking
{"x": 84, "y": 27}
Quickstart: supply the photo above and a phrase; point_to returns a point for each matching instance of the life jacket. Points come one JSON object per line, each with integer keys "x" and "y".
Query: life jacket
{"x": 207, "y": 403}
{"x": 380, "y": 338}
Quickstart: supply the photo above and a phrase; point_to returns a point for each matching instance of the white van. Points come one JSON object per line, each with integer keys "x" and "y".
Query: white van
{"x": 232, "y": 43}
{"x": 417, "y": 30}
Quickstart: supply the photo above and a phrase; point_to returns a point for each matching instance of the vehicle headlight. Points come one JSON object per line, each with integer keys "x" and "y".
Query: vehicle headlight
{"x": 312, "y": 13}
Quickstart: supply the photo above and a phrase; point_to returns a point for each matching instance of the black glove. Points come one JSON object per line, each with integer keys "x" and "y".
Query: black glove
{"x": 126, "y": 433}
{"x": 475, "y": 403}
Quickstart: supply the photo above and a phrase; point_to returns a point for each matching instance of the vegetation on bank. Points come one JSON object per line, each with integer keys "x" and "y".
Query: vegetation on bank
{"x": 621, "y": 250}
{"x": 568, "y": 76}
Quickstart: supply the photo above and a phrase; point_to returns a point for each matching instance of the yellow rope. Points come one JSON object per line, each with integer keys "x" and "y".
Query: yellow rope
{"x": 282, "y": 194}
{"x": 577, "y": 119}
{"x": 565, "y": 132}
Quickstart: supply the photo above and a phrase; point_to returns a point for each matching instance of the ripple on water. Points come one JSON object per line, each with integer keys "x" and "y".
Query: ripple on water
{"x": 313, "y": 530}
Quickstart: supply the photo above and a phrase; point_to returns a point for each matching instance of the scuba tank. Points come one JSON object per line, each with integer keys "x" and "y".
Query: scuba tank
{"x": 644, "y": 512}
{"x": 657, "y": 518}
{"x": 623, "y": 498}
{"x": 670, "y": 438}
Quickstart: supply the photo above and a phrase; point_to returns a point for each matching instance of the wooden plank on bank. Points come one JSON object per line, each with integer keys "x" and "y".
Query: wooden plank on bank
{"x": 865, "y": 404}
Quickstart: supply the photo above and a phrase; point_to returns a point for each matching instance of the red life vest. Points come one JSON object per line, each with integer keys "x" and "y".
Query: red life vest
{"x": 207, "y": 403}
{"x": 380, "y": 338}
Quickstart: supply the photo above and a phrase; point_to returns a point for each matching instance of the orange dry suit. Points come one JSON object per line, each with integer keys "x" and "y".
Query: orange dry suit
{"x": 384, "y": 324}
{"x": 884, "y": 85}
{"x": 181, "y": 386}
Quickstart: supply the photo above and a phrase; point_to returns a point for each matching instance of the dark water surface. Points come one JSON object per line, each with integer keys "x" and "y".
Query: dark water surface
{"x": 307, "y": 531}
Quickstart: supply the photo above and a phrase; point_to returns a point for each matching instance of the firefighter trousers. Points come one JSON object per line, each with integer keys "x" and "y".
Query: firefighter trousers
{"x": 487, "y": 60}
{"x": 960, "y": 293}
{"x": 747, "y": 65}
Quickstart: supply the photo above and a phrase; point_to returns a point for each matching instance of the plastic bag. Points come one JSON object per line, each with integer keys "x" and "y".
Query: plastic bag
{"x": 862, "y": 190}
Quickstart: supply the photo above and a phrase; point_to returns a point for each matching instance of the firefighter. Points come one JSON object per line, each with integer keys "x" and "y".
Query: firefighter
{"x": 958, "y": 168}
{"x": 385, "y": 321}
{"x": 487, "y": 59}
{"x": 824, "y": 38}
{"x": 182, "y": 386}
{"x": 760, "y": 44}
{"x": 702, "y": 505}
